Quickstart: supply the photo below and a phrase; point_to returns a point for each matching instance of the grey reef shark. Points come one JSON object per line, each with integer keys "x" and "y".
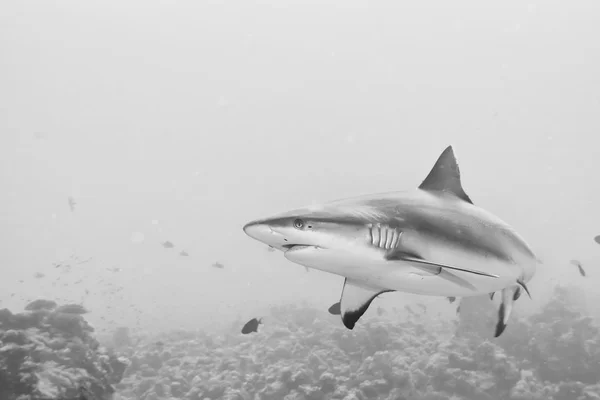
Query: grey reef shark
{"x": 430, "y": 241}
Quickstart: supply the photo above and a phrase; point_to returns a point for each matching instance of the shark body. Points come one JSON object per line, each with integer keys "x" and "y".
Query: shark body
{"x": 430, "y": 241}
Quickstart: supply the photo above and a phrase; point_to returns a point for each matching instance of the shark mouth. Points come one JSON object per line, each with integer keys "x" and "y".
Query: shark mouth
{"x": 295, "y": 247}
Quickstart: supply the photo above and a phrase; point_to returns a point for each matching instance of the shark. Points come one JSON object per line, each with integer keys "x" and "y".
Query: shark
{"x": 432, "y": 240}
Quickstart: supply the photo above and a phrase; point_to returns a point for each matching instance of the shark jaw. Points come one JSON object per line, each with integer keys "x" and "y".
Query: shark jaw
{"x": 431, "y": 241}
{"x": 290, "y": 248}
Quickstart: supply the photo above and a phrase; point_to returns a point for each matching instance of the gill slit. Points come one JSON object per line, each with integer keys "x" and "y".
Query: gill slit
{"x": 384, "y": 237}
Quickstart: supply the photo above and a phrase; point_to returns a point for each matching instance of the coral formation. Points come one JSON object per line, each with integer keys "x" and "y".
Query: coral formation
{"x": 305, "y": 354}
{"x": 46, "y": 354}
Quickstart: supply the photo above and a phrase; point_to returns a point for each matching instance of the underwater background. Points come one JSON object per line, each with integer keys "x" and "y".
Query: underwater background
{"x": 138, "y": 137}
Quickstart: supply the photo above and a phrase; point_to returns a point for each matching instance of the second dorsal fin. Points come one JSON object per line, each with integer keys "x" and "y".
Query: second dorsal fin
{"x": 445, "y": 176}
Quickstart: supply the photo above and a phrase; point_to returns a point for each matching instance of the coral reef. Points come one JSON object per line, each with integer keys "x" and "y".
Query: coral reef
{"x": 305, "y": 354}
{"x": 47, "y": 355}
{"x": 302, "y": 353}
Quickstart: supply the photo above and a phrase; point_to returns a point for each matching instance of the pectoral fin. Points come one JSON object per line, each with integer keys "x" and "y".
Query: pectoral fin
{"x": 356, "y": 299}
{"x": 404, "y": 256}
{"x": 449, "y": 276}
{"x": 508, "y": 295}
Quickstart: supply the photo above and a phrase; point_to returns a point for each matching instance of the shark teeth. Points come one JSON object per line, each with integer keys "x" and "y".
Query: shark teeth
{"x": 383, "y": 236}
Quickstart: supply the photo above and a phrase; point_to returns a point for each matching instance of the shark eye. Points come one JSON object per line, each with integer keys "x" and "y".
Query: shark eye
{"x": 298, "y": 223}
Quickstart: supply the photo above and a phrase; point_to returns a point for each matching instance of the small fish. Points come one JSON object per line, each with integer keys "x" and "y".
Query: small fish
{"x": 597, "y": 239}
{"x": 168, "y": 245}
{"x": 218, "y": 265}
{"x": 578, "y": 265}
{"x": 380, "y": 311}
{"x": 183, "y": 253}
{"x": 451, "y": 299}
{"x": 335, "y": 309}
{"x": 72, "y": 203}
{"x": 159, "y": 343}
{"x": 270, "y": 249}
{"x": 251, "y": 326}
{"x": 39, "y": 275}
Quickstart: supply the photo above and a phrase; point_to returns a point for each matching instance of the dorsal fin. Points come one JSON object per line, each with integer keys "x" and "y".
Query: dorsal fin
{"x": 445, "y": 176}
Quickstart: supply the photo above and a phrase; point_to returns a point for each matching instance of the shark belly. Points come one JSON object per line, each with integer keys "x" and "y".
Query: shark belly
{"x": 374, "y": 271}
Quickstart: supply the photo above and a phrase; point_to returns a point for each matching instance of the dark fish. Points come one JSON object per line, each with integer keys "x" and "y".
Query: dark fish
{"x": 168, "y": 245}
{"x": 597, "y": 239}
{"x": 492, "y": 295}
{"x": 578, "y": 265}
{"x": 251, "y": 326}
{"x": 451, "y": 299}
{"x": 218, "y": 265}
{"x": 183, "y": 253}
{"x": 85, "y": 261}
{"x": 335, "y": 309}
{"x": 72, "y": 203}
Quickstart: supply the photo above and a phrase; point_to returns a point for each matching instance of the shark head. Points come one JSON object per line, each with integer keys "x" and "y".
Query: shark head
{"x": 303, "y": 233}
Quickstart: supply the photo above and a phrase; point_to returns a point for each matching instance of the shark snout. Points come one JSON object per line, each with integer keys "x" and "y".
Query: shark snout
{"x": 257, "y": 230}
{"x": 260, "y": 230}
